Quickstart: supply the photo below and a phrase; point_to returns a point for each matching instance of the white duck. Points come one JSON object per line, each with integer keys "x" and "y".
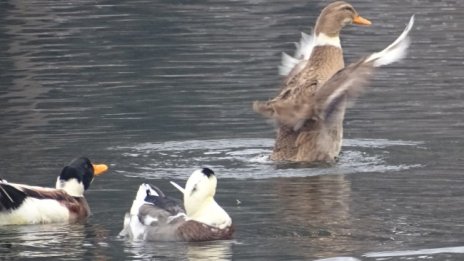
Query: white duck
{"x": 156, "y": 217}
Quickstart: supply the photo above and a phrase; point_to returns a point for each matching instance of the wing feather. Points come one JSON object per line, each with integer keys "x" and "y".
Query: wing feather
{"x": 346, "y": 84}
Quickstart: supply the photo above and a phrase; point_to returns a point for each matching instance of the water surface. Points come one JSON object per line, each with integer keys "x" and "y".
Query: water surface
{"x": 156, "y": 89}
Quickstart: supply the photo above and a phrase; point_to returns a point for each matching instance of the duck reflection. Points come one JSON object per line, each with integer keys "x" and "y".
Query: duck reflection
{"x": 220, "y": 250}
{"x": 217, "y": 250}
{"x": 70, "y": 241}
{"x": 315, "y": 209}
{"x": 42, "y": 241}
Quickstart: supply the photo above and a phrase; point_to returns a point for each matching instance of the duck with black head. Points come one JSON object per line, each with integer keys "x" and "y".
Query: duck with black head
{"x": 157, "y": 217}
{"x": 25, "y": 204}
{"x": 309, "y": 109}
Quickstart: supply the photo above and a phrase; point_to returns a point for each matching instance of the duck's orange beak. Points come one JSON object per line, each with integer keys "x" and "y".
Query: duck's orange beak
{"x": 359, "y": 20}
{"x": 99, "y": 169}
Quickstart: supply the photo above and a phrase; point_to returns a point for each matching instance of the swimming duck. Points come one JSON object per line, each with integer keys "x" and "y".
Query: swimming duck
{"x": 157, "y": 217}
{"x": 24, "y": 204}
{"x": 310, "y": 108}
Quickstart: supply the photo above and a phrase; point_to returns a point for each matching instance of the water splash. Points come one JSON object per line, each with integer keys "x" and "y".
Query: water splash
{"x": 249, "y": 158}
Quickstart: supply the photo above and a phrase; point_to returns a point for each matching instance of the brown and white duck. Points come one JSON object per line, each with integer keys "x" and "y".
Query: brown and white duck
{"x": 156, "y": 217}
{"x": 24, "y": 204}
{"x": 310, "y": 108}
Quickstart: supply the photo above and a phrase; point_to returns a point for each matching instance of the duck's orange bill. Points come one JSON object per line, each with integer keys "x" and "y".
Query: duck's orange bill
{"x": 99, "y": 169}
{"x": 361, "y": 21}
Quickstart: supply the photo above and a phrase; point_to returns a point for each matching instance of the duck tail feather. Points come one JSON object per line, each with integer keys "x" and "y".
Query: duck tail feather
{"x": 264, "y": 108}
{"x": 10, "y": 197}
{"x": 177, "y": 186}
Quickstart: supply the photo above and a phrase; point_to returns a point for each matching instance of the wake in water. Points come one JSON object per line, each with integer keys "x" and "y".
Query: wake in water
{"x": 249, "y": 158}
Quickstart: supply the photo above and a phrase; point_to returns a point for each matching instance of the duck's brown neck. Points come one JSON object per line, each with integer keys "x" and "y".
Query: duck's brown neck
{"x": 328, "y": 27}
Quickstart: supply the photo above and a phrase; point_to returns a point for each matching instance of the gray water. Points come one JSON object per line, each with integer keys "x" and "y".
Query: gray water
{"x": 158, "y": 88}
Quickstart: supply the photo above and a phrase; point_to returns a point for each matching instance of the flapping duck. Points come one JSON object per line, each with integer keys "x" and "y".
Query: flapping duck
{"x": 24, "y": 204}
{"x": 157, "y": 217}
{"x": 310, "y": 108}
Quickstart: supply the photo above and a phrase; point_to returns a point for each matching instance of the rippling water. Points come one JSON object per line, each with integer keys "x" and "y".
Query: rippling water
{"x": 249, "y": 158}
{"x": 158, "y": 88}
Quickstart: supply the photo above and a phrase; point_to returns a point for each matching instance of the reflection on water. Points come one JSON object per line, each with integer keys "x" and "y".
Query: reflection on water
{"x": 342, "y": 258}
{"x": 63, "y": 241}
{"x": 221, "y": 251}
{"x": 317, "y": 211}
{"x": 218, "y": 250}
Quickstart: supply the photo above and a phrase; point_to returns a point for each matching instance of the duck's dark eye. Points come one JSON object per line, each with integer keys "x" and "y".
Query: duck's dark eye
{"x": 148, "y": 192}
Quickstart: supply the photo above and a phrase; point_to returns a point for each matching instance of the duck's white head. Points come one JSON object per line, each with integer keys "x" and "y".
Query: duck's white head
{"x": 199, "y": 200}
{"x": 200, "y": 187}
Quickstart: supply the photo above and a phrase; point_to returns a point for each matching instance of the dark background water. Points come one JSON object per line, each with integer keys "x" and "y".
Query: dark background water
{"x": 158, "y": 88}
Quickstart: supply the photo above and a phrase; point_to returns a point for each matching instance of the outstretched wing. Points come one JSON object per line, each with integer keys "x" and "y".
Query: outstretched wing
{"x": 347, "y": 84}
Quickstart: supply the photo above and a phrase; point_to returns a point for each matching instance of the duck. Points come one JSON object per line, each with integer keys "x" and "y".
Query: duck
{"x": 22, "y": 204}
{"x": 154, "y": 216}
{"x": 317, "y": 87}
